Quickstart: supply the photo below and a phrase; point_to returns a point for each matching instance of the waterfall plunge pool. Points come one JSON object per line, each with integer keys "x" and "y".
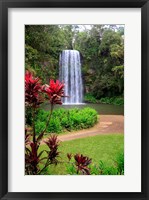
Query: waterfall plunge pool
{"x": 102, "y": 109}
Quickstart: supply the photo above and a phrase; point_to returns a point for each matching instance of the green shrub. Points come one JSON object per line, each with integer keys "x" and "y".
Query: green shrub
{"x": 71, "y": 169}
{"x": 66, "y": 120}
{"x": 120, "y": 163}
{"x": 116, "y": 169}
{"x": 103, "y": 169}
{"x": 39, "y": 126}
{"x": 112, "y": 100}
{"x": 54, "y": 126}
{"x": 117, "y": 100}
{"x": 89, "y": 98}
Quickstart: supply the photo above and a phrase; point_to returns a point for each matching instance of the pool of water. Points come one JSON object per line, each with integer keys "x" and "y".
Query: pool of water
{"x": 102, "y": 109}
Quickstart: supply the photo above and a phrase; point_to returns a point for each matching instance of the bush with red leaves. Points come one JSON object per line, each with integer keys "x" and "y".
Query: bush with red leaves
{"x": 32, "y": 90}
{"x": 80, "y": 165}
{"x": 33, "y": 98}
{"x": 55, "y": 91}
{"x": 53, "y": 144}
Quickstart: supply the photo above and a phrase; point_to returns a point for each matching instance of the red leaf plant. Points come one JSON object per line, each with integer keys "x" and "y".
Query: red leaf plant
{"x": 33, "y": 98}
{"x": 53, "y": 144}
{"x": 55, "y": 91}
{"x": 69, "y": 156}
{"x": 33, "y": 158}
{"x": 32, "y": 90}
{"x": 27, "y": 139}
{"x": 82, "y": 163}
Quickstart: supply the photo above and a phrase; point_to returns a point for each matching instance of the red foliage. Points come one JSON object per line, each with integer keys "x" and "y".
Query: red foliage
{"x": 82, "y": 163}
{"x": 69, "y": 156}
{"x": 53, "y": 144}
{"x": 55, "y": 90}
{"x": 31, "y": 159}
{"x": 32, "y": 89}
{"x": 27, "y": 139}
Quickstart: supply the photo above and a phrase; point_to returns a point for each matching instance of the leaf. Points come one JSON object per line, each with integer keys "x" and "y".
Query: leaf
{"x": 40, "y": 153}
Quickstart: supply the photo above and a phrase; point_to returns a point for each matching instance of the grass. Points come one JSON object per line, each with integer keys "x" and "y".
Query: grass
{"x": 100, "y": 147}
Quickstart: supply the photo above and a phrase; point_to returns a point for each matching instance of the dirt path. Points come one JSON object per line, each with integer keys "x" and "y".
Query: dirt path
{"x": 106, "y": 125}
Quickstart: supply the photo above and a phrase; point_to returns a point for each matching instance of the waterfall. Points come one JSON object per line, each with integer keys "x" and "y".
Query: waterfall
{"x": 70, "y": 74}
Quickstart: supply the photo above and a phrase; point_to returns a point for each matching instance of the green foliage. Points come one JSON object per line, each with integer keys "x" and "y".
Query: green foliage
{"x": 66, "y": 120}
{"x": 112, "y": 100}
{"x": 119, "y": 71}
{"x": 101, "y": 48}
{"x": 89, "y": 98}
{"x": 105, "y": 148}
{"x": 71, "y": 169}
{"x": 55, "y": 125}
{"x": 102, "y": 168}
{"x": 39, "y": 126}
{"x": 120, "y": 163}
{"x": 43, "y": 45}
{"x": 116, "y": 100}
{"x": 28, "y": 116}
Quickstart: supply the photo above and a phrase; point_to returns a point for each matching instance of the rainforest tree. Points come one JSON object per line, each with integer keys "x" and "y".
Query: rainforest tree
{"x": 101, "y": 48}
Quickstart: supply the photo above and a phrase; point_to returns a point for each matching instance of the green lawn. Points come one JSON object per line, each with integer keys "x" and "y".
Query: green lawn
{"x": 101, "y": 147}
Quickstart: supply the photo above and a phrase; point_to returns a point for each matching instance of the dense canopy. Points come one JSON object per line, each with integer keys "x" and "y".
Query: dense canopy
{"x": 101, "y": 48}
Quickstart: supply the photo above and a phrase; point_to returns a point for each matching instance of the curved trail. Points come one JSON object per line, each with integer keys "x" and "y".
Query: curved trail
{"x": 108, "y": 124}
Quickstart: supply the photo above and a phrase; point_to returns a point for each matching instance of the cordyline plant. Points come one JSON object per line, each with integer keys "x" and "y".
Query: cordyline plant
{"x": 80, "y": 164}
{"x": 35, "y": 94}
{"x": 33, "y": 98}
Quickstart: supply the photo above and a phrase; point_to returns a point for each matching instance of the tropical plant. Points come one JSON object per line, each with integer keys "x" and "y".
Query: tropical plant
{"x": 78, "y": 164}
{"x": 34, "y": 159}
{"x": 33, "y": 97}
{"x": 63, "y": 120}
{"x": 101, "y": 48}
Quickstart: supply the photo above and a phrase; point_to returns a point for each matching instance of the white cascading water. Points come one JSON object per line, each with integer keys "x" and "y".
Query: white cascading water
{"x": 70, "y": 74}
